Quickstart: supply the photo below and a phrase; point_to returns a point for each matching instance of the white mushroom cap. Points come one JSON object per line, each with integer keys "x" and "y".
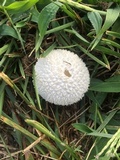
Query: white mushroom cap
{"x": 62, "y": 77}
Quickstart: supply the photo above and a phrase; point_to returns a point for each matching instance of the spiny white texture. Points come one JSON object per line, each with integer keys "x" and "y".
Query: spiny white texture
{"x": 62, "y": 77}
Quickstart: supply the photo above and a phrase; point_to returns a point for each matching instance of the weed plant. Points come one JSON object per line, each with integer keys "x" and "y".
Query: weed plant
{"x": 32, "y": 129}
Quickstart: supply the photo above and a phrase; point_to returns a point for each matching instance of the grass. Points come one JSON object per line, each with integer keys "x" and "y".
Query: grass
{"x": 34, "y": 129}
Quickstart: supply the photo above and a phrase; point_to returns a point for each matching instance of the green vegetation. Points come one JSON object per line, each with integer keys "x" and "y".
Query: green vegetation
{"x": 31, "y": 128}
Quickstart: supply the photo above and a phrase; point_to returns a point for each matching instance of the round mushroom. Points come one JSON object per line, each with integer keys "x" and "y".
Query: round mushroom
{"x": 61, "y": 77}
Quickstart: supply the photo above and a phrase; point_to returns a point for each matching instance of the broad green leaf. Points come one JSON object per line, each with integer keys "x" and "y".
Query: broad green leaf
{"x": 15, "y": 5}
{"x": 6, "y": 30}
{"x": 20, "y": 6}
{"x": 111, "y": 17}
{"x": 46, "y": 15}
{"x": 114, "y": 78}
{"x": 107, "y": 87}
{"x": 82, "y": 127}
{"x": 35, "y": 14}
{"x": 96, "y": 20}
{"x": 110, "y": 85}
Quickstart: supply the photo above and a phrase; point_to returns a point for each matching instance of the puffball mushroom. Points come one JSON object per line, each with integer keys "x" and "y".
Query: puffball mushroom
{"x": 61, "y": 77}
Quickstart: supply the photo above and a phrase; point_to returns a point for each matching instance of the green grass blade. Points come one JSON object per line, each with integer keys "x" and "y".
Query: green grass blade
{"x": 4, "y": 49}
{"x": 8, "y": 152}
{"x": 76, "y": 34}
{"x": 12, "y": 85}
{"x": 110, "y": 43}
{"x": 81, "y": 6}
{"x": 61, "y": 27}
{"x": 25, "y": 132}
{"x": 106, "y": 121}
{"x": 1, "y": 101}
{"x": 2, "y": 94}
{"x": 107, "y": 51}
{"x": 93, "y": 57}
{"x": 109, "y": 148}
{"x": 18, "y": 134}
{"x": 49, "y": 49}
{"x": 18, "y": 127}
{"x": 36, "y": 91}
{"x": 98, "y": 134}
{"x": 44, "y": 130}
{"x": 21, "y": 69}
{"x": 113, "y": 34}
